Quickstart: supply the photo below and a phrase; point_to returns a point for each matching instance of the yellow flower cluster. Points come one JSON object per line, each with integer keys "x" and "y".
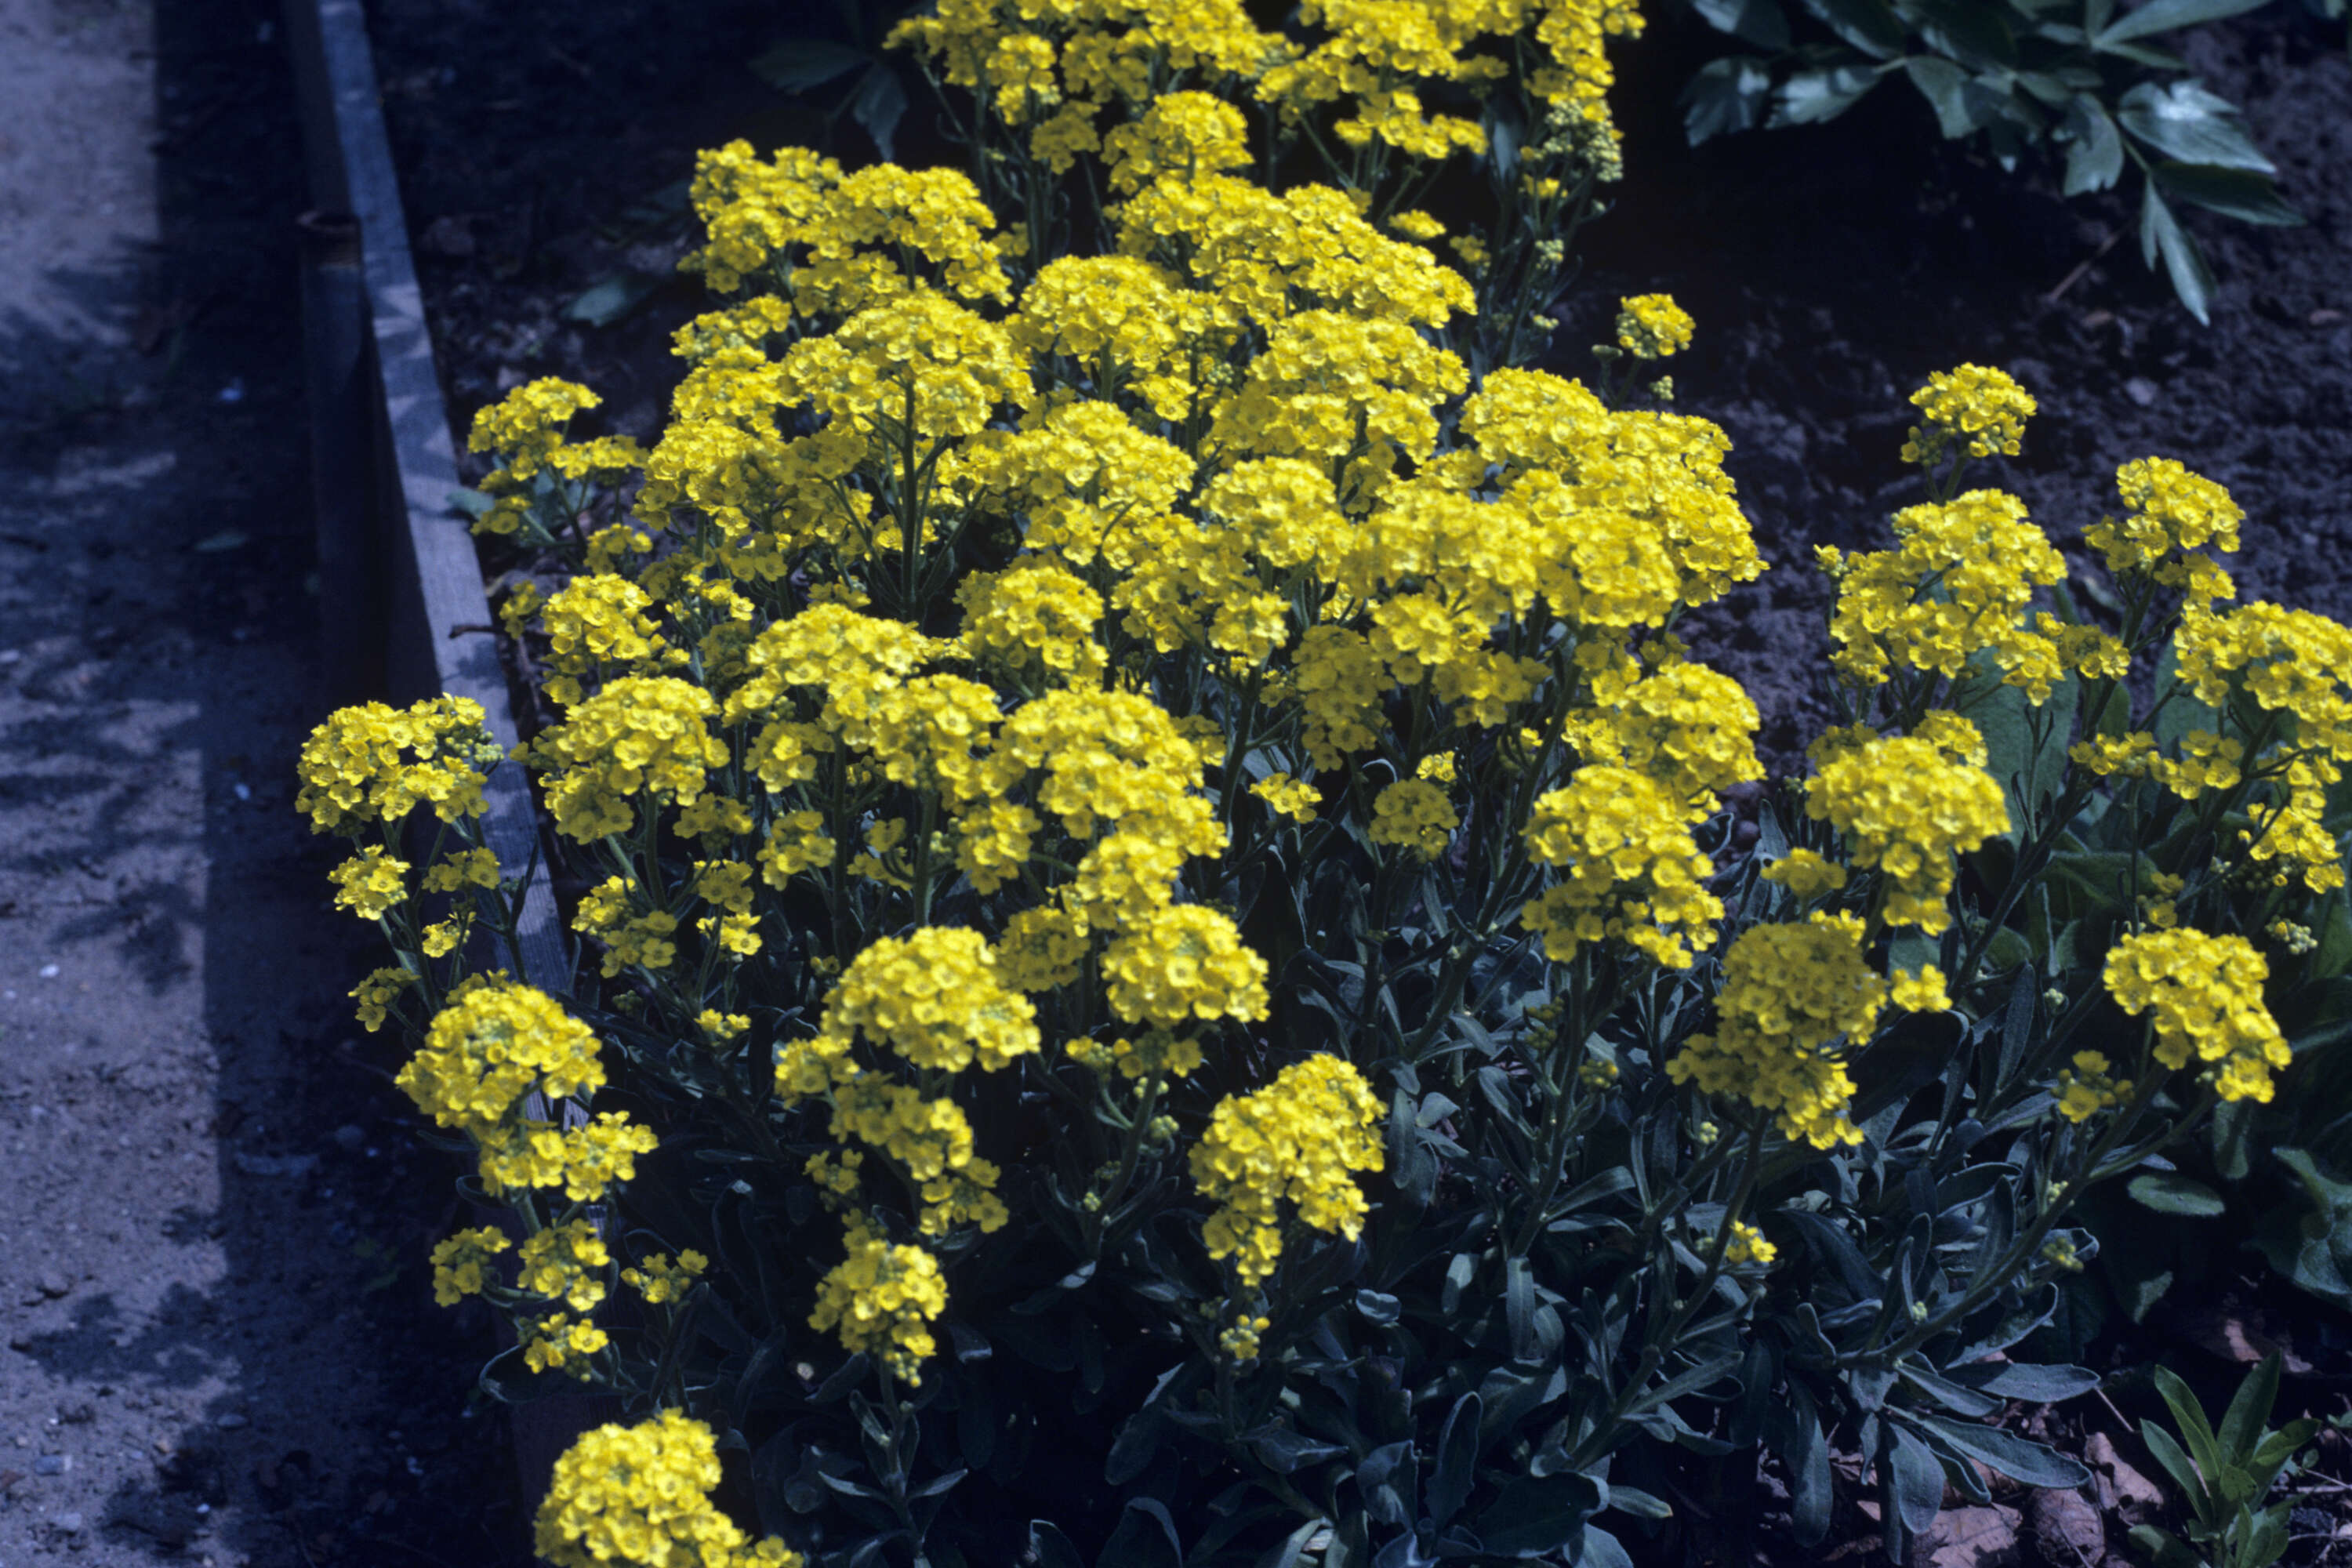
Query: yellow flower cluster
{"x": 640, "y": 735}
{"x": 565, "y": 1262}
{"x": 935, "y": 999}
{"x": 462, "y": 1264}
{"x": 1652, "y": 326}
{"x": 1906, "y": 804}
{"x": 372, "y": 763}
{"x": 1748, "y": 1245}
{"x": 370, "y": 883}
{"x": 2204, "y": 994}
{"x": 2296, "y": 667}
{"x": 1791, "y": 995}
{"x": 1970, "y": 408}
{"x": 490, "y": 1047}
{"x": 2171, "y": 515}
{"x": 584, "y": 1161}
{"x": 1630, "y": 872}
{"x": 1958, "y": 584}
{"x": 1298, "y": 1140}
{"x": 641, "y": 1495}
{"x": 881, "y": 1299}
{"x": 660, "y": 1280}
{"x": 2085, "y": 1088}
{"x": 1415, "y": 815}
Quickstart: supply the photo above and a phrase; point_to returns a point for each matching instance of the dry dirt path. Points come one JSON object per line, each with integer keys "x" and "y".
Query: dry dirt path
{"x": 217, "y": 1347}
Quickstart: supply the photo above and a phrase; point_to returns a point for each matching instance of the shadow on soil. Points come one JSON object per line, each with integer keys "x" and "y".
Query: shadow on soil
{"x": 300, "y": 1401}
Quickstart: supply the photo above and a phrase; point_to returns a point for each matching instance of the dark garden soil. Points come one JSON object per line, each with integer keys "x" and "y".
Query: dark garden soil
{"x": 214, "y": 1214}
{"x": 541, "y": 148}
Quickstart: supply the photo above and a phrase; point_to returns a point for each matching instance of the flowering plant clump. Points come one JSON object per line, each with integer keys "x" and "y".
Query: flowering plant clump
{"x": 1164, "y": 968}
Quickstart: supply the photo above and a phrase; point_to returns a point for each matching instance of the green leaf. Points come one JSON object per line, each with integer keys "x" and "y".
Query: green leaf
{"x": 2006, "y": 716}
{"x": 2239, "y": 194}
{"x": 2164, "y": 15}
{"x": 1913, "y": 1487}
{"x": 2310, "y": 1246}
{"x": 1971, "y": 32}
{"x": 1811, "y": 97}
{"x": 610, "y": 300}
{"x": 1725, "y": 95}
{"x": 877, "y": 106}
{"x": 2095, "y": 160}
{"x": 1757, "y": 22}
{"x": 1870, "y": 25}
{"x": 1945, "y": 87}
{"x": 2169, "y": 1192}
{"x": 2189, "y": 1416}
{"x": 1282, "y": 1451}
{"x": 2017, "y": 1458}
{"x": 1146, "y": 1538}
{"x": 2164, "y": 1549}
{"x": 1805, "y": 1453}
{"x": 1536, "y": 1514}
{"x": 2249, "y": 1411}
{"x": 2177, "y": 1464}
{"x": 2192, "y": 278}
{"x": 800, "y": 64}
{"x": 2035, "y": 1385}
{"x": 2182, "y": 120}
{"x": 473, "y": 503}
{"x": 1639, "y": 1503}
{"x": 1457, "y": 1456}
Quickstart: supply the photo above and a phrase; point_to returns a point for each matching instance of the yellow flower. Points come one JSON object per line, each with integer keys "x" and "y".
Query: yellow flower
{"x": 376, "y": 993}
{"x": 491, "y": 1046}
{"x": 641, "y": 1494}
{"x": 1791, "y": 994}
{"x": 1748, "y": 1245}
{"x": 1182, "y": 963}
{"x": 2205, "y": 994}
{"x": 1287, "y": 796}
{"x": 2173, "y": 513}
{"x": 1971, "y": 408}
{"x": 1905, "y": 810}
{"x": 1806, "y": 874}
{"x": 1630, "y": 872}
{"x": 934, "y": 998}
{"x": 370, "y": 883}
{"x": 1922, "y": 990}
{"x": 1415, "y": 815}
{"x": 565, "y": 1262}
{"x": 1652, "y": 326}
{"x": 1296, "y": 1139}
{"x": 461, "y": 1264}
{"x": 374, "y": 763}
{"x": 2087, "y": 1090}
{"x": 659, "y": 1279}
{"x": 881, "y": 1299}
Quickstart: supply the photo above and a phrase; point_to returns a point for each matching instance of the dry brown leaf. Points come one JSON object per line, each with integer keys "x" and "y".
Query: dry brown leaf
{"x": 2120, "y": 1487}
{"x": 2067, "y": 1528}
{"x": 1970, "y": 1538}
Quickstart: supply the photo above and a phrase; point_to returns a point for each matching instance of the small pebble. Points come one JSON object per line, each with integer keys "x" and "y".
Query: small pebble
{"x": 70, "y": 1522}
{"x": 52, "y": 1464}
{"x": 77, "y": 1414}
{"x": 232, "y": 1421}
{"x": 53, "y": 1283}
{"x": 49, "y": 971}
{"x": 349, "y": 1138}
{"x": 2141, "y": 390}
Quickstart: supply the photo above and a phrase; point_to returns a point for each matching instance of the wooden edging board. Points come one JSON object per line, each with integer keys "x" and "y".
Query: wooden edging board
{"x": 422, "y": 582}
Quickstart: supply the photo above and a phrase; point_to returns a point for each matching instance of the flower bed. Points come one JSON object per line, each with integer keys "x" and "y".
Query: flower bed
{"x": 1145, "y": 817}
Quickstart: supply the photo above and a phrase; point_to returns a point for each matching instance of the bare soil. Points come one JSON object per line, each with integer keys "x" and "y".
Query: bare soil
{"x": 220, "y": 1345}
